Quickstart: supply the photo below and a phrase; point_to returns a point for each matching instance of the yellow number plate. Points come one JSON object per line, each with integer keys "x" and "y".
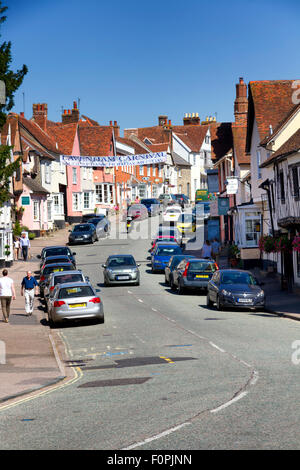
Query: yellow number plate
{"x": 77, "y": 305}
{"x": 202, "y": 276}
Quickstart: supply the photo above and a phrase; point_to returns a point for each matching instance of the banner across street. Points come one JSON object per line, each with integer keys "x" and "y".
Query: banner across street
{"x": 114, "y": 160}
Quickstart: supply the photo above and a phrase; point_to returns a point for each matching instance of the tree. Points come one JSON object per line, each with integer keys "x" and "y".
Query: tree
{"x": 12, "y": 81}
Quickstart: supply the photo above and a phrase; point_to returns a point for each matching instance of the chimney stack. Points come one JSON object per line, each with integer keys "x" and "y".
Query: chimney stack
{"x": 191, "y": 119}
{"x": 241, "y": 103}
{"x": 40, "y": 115}
{"x": 69, "y": 116}
{"x": 116, "y": 128}
{"x": 162, "y": 120}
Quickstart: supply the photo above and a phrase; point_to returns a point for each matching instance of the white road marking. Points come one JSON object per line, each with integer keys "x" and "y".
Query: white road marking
{"x": 230, "y": 402}
{"x": 140, "y": 300}
{"x": 158, "y": 436}
{"x": 217, "y": 347}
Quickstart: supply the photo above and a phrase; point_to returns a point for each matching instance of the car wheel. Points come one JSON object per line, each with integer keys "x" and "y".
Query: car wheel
{"x": 209, "y": 303}
{"x": 137, "y": 283}
{"x": 172, "y": 285}
{"x": 153, "y": 270}
{"x": 50, "y": 321}
{"x": 219, "y": 304}
{"x": 101, "y": 320}
{"x": 166, "y": 281}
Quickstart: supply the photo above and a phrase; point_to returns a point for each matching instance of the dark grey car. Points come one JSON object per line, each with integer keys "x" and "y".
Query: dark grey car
{"x": 193, "y": 273}
{"x": 121, "y": 269}
{"x": 235, "y": 288}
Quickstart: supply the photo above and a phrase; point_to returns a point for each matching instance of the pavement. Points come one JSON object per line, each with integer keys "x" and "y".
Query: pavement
{"x": 35, "y": 355}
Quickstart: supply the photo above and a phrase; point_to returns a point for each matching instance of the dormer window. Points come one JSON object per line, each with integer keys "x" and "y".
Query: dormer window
{"x": 147, "y": 141}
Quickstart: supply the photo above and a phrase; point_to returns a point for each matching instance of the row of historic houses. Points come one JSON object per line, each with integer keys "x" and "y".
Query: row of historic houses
{"x": 45, "y": 193}
{"x": 263, "y": 217}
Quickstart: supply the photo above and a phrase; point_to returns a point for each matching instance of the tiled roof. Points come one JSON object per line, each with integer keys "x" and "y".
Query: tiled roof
{"x": 156, "y": 134}
{"x": 239, "y": 134}
{"x": 221, "y": 139}
{"x": 35, "y": 186}
{"x": 159, "y": 147}
{"x": 138, "y": 149}
{"x": 27, "y": 141}
{"x": 179, "y": 161}
{"x": 95, "y": 140}
{"x": 191, "y": 135}
{"x": 64, "y": 135}
{"x": 292, "y": 145}
{"x": 40, "y": 135}
{"x": 90, "y": 121}
{"x": 269, "y": 102}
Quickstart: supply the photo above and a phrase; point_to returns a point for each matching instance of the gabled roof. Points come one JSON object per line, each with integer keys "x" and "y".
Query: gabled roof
{"x": 138, "y": 149}
{"x": 90, "y": 121}
{"x": 95, "y": 140}
{"x": 191, "y": 135}
{"x": 44, "y": 139}
{"x": 179, "y": 161}
{"x": 221, "y": 139}
{"x": 270, "y": 101}
{"x": 64, "y": 135}
{"x": 291, "y": 146}
{"x": 34, "y": 185}
{"x": 156, "y": 134}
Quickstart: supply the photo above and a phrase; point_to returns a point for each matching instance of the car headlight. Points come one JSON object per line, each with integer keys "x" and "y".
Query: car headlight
{"x": 261, "y": 294}
{"x": 226, "y": 293}
{"x": 86, "y": 236}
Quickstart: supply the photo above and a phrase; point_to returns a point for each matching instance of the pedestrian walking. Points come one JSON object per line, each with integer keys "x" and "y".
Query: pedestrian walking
{"x": 206, "y": 250}
{"x": 7, "y": 293}
{"x": 25, "y": 245}
{"x": 29, "y": 286}
{"x": 17, "y": 246}
{"x": 215, "y": 250}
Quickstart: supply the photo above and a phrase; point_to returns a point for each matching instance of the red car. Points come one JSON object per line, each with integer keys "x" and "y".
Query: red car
{"x": 163, "y": 238}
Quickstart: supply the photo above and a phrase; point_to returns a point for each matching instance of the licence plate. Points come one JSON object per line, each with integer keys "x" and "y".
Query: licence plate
{"x": 77, "y": 305}
{"x": 245, "y": 301}
{"x": 123, "y": 278}
{"x": 202, "y": 276}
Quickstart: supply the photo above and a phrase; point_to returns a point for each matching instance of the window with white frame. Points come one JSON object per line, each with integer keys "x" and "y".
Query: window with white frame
{"x": 84, "y": 172}
{"x": 141, "y": 170}
{"x": 47, "y": 167}
{"x": 252, "y": 221}
{"x": 58, "y": 204}
{"x": 160, "y": 169}
{"x": 154, "y": 190}
{"x": 76, "y": 201}
{"x": 179, "y": 172}
{"x": 258, "y": 161}
{"x": 148, "y": 170}
{"x": 104, "y": 193}
{"x": 88, "y": 200}
{"x": 207, "y": 139}
{"x": 36, "y": 210}
{"x": 49, "y": 210}
{"x": 74, "y": 175}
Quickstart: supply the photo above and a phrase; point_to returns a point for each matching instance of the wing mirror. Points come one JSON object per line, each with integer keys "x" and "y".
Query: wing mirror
{"x": 39, "y": 257}
{"x": 103, "y": 265}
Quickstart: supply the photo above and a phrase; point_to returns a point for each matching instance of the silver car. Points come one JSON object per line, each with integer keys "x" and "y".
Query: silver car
{"x": 121, "y": 269}
{"x": 75, "y": 301}
{"x": 62, "y": 277}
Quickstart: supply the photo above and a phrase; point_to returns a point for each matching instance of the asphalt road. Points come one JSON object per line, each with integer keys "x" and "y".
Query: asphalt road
{"x": 164, "y": 371}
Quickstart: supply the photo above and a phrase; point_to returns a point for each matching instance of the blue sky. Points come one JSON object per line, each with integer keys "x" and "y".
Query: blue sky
{"x": 130, "y": 61}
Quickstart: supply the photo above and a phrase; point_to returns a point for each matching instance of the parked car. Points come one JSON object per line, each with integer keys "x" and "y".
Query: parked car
{"x": 193, "y": 274}
{"x": 235, "y": 288}
{"x": 56, "y": 260}
{"x": 85, "y": 219}
{"x": 137, "y": 211}
{"x": 201, "y": 210}
{"x": 83, "y": 233}
{"x": 169, "y": 231}
{"x": 102, "y": 225}
{"x": 163, "y": 239}
{"x": 173, "y": 263}
{"x": 167, "y": 199}
{"x": 52, "y": 268}
{"x": 153, "y": 206}
{"x": 120, "y": 269}
{"x": 56, "y": 251}
{"x": 186, "y": 223}
{"x": 75, "y": 301}
{"x": 62, "y": 277}
{"x": 172, "y": 213}
{"x": 182, "y": 199}
{"x": 162, "y": 254}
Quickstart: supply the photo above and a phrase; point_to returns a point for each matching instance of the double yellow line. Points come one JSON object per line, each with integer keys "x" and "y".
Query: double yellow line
{"x": 167, "y": 359}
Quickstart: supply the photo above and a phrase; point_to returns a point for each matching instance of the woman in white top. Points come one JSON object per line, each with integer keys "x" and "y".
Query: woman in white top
{"x": 206, "y": 250}
{"x": 7, "y": 293}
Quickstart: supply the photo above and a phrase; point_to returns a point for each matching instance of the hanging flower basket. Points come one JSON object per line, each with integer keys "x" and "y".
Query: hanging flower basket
{"x": 267, "y": 244}
{"x": 296, "y": 244}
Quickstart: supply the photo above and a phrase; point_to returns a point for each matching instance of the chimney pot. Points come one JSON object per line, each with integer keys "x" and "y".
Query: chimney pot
{"x": 22, "y": 114}
{"x": 74, "y": 105}
{"x": 110, "y": 123}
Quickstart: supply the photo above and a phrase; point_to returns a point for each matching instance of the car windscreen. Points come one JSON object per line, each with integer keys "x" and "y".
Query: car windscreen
{"x": 238, "y": 278}
{"x": 148, "y": 201}
{"x": 121, "y": 261}
{"x": 168, "y": 250}
{"x": 168, "y": 231}
{"x": 96, "y": 220}
{"x": 200, "y": 266}
{"x": 56, "y": 269}
{"x": 57, "y": 260}
{"x": 64, "y": 250}
{"x": 173, "y": 211}
{"x": 185, "y": 218}
{"x": 66, "y": 278}
{"x": 75, "y": 291}
{"x": 82, "y": 228}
